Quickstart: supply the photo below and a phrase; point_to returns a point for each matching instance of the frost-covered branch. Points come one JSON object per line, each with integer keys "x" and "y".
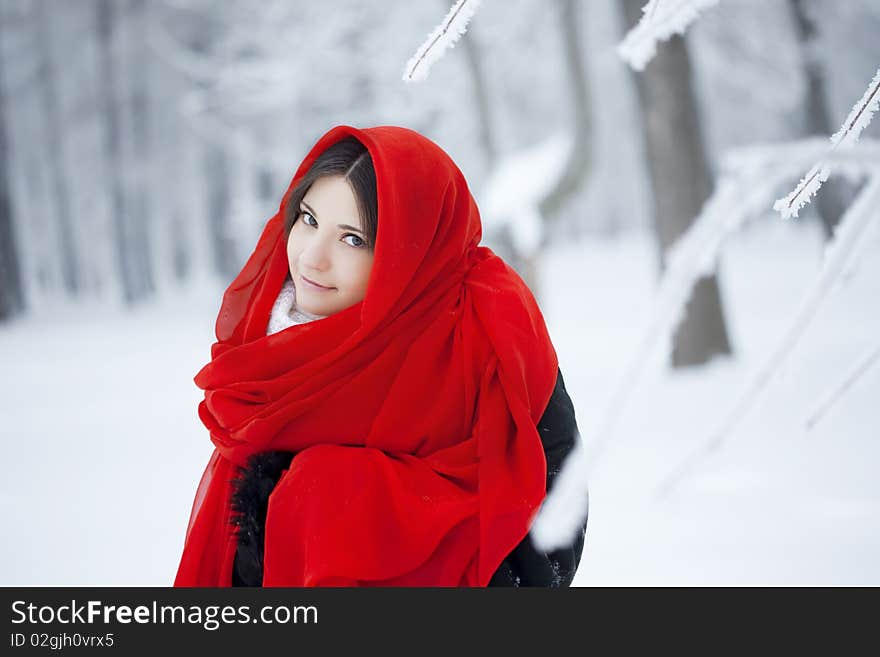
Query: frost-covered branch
{"x": 860, "y": 115}
{"x": 846, "y": 137}
{"x": 566, "y": 507}
{"x": 513, "y": 193}
{"x": 846, "y": 239}
{"x": 746, "y": 182}
{"x": 748, "y": 178}
{"x": 863, "y": 365}
{"x": 440, "y": 40}
{"x": 660, "y": 20}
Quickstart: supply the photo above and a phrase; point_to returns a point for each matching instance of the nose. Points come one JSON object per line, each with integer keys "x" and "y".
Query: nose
{"x": 315, "y": 256}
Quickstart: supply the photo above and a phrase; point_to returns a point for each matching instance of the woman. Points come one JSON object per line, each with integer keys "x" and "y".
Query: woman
{"x": 379, "y": 390}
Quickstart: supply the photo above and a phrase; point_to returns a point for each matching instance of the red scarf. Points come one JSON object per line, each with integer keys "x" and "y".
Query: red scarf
{"x": 412, "y": 413}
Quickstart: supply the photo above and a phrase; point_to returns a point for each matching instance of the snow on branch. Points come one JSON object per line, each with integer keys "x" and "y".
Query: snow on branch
{"x": 564, "y": 511}
{"x": 841, "y": 388}
{"x": 733, "y": 201}
{"x": 748, "y": 178}
{"x": 661, "y": 19}
{"x": 860, "y": 115}
{"x": 848, "y": 135}
{"x": 845, "y": 241}
{"x": 442, "y": 38}
{"x": 512, "y": 195}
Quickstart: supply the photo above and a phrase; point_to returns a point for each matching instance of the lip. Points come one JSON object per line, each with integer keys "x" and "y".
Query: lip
{"x": 313, "y": 285}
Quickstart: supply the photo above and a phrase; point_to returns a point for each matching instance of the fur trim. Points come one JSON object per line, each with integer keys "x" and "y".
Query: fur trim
{"x": 249, "y": 503}
{"x": 285, "y": 313}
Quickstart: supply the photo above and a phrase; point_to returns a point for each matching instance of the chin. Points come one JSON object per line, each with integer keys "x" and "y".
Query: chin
{"x": 303, "y": 302}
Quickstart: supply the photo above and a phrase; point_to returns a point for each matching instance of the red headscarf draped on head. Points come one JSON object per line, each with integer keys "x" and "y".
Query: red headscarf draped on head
{"x": 412, "y": 413}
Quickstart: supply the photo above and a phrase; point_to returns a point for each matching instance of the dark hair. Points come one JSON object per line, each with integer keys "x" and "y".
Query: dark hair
{"x": 350, "y": 159}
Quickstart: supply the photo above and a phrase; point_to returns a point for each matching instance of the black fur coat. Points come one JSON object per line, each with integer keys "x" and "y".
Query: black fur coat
{"x": 524, "y": 566}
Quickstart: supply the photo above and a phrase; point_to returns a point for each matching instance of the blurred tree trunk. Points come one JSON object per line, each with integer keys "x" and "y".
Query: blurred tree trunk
{"x": 681, "y": 183}
{"x": 140, "y": 217}
{"x": 60, "y": 201}
{"x": 125, "y": 148}
{"x": 110, "y": 108}
{"x": 575, "y": 173}
{"x": 11, "y": 293}
{"x": 215, "y": 162}
{"x": 219, "y": 220}
{"x": 481, "y": 96}
{"x": 576, "y": 169}
{"x": 526, "y": 267}
{"x": 832, "y": 201}
{"x": 580, "y": 158}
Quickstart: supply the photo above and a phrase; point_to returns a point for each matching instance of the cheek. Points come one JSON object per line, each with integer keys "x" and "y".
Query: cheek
{"x": 354, "y": 271}
{"x": 363, "y": 274}
{"x": 292, "y": 248}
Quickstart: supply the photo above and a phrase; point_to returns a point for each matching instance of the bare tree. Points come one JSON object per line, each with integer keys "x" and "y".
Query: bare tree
{"x": 48, "y": 85}
{"x": 11, "y": 293}
{"x": 126, "y": 143}
{"x": 574, "y": 173}
{"x": 832, "y": 202}
{"x": 140, "y": 215}
{"x": 217, "y": 177}
{"x": 106, "y": 24}
{"x": 681, "y": 183}
{"x": 481, "y": 96}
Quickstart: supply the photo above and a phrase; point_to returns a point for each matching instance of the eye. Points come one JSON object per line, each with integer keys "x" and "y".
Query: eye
{"x": 305, "y": 214}
{"x": 360, "y": 242}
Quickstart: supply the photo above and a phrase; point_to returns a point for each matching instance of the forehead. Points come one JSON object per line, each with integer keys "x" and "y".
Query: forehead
{"x": 331, "y": 197}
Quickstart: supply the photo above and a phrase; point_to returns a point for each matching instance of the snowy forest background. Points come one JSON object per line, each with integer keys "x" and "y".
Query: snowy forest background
{"x": 143, "y": 146}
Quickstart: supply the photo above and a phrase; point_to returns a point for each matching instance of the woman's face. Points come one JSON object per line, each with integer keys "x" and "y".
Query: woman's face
{"x": 328, "y": 247}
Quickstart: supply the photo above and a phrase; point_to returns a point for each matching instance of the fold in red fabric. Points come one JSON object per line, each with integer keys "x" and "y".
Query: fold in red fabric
{"x": 412, "y": 413}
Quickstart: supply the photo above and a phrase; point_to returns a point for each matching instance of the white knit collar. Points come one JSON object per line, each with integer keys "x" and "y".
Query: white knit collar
{"x": 285, "y": 313}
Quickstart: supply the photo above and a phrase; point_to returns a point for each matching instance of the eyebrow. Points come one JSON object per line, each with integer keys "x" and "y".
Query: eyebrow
{"x": 346, "y": 226}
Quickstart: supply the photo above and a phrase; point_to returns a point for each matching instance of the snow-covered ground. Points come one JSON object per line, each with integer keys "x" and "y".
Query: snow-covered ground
{"x": 103, "y": 448}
